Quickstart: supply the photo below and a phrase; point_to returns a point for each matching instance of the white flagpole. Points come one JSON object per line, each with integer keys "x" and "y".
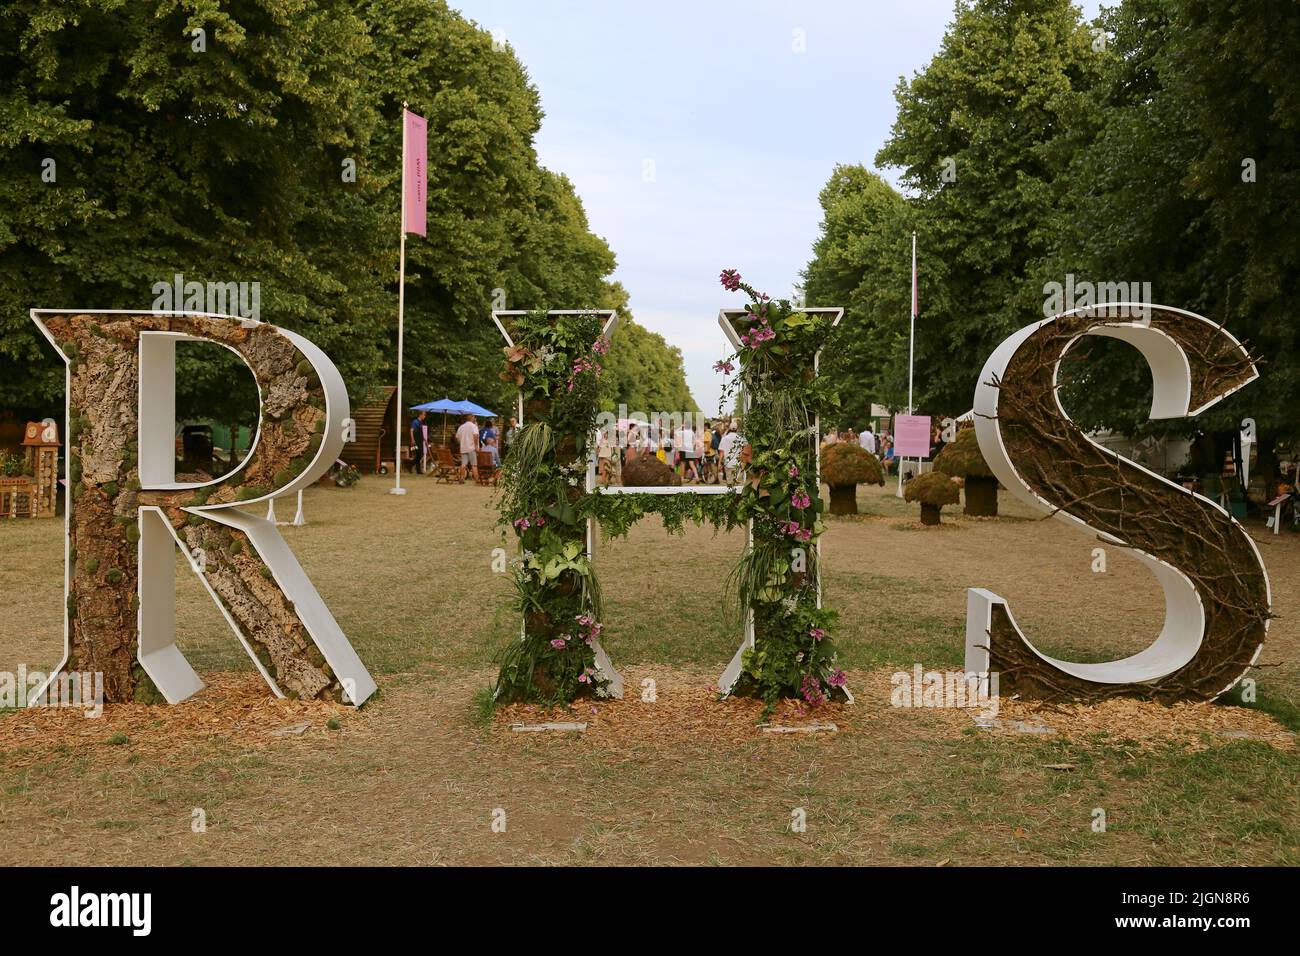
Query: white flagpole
{"x": 911, "y": 345}
{"x": 911, "y": 353}
{"x": 397, "y": 488}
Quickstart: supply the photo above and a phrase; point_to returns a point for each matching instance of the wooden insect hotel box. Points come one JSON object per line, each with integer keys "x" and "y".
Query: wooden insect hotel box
{"x": 35, "y": 492}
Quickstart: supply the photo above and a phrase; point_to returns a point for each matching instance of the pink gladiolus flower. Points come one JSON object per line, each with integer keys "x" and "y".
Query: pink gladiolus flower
{"x": 794, "y": 472}
{"x": 730, "y": 279}
{"x": 558, "y": 643}
{"x": 726, "y": 368}
{"x": 837, "y": 678}
{"x": 817, "y": 633}
{"x": 800, "y": 500}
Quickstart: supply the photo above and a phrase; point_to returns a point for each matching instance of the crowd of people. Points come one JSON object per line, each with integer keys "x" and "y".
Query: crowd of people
{"x": 709, "y": 454}
{"x": 469, "y": 440}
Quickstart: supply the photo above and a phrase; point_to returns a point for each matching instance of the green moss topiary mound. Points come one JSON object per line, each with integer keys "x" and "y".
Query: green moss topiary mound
{"x": 963, "y": 459}
{"x": 846, "y": 465}
{"x": 932, "y": 490}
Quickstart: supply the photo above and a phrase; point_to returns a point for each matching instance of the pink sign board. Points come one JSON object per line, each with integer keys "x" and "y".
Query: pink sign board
{"x": 912, "y": 436}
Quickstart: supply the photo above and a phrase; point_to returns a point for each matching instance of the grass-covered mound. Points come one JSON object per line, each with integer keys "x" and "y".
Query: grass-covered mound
{"x": 963, "y": 459}
{"x": 932, "y": 490}
{"x": 845, "y": 465}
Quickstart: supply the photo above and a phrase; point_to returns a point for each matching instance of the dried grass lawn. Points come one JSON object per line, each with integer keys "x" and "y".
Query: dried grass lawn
{"x": 415, "y": 778}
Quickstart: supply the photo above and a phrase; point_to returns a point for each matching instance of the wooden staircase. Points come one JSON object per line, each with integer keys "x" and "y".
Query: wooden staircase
{"x": 374, "y": 433}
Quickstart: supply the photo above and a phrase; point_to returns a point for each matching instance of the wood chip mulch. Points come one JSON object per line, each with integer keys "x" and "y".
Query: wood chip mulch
{"x": 234, "y": 707}
{"x": 688, "y": 712}
{"x": 1197, "y": 726}
{"x": 918, "y": 526}
{"x": 238, "y": 709}
{"x": 1142, "y": 723}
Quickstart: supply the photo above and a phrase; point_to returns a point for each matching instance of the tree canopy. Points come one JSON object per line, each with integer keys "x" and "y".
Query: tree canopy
{"x": 225, "y": 155}
{"x": 1154, "y": 145}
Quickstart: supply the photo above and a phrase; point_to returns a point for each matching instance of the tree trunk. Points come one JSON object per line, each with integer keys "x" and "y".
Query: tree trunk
{"x": 844, "y": 499}
{"x": 981, "y": 496}
{"x": 930, "y": 514}
{"x": 1267, "y": 463}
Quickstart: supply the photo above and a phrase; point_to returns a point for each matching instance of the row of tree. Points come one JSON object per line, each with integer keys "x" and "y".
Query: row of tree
{"x": 1154, "y": 145}
{"x": 259, "y": 141}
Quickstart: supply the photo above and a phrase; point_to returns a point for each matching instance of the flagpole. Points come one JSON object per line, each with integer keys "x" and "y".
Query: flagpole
{"x": 397, "y": 488}
{"x": 911, "y": 345}
{"x": 911, "y": 354}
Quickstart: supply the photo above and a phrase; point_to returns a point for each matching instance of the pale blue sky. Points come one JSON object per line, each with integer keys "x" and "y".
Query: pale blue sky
{"x": 698, "y": 135}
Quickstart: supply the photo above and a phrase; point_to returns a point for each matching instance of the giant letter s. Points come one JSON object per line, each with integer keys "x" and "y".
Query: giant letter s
{"x": 1217, "y": 596}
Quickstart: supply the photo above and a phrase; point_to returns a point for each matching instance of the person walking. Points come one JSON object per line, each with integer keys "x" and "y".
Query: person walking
{"x": 867, "y": 439}
{"x": 604, "y": 456}
{"x": 690, "y": 454}
{"x": 715, "y": 439}
{"x": 729, "y": 449}
{"x": 467, "y": 440}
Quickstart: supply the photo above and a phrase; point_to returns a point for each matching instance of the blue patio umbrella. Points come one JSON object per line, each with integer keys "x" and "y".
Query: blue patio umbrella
{"x": 441, "y": 405}
{"x": 469, "y": 408}
{"x": 447, "y": 406}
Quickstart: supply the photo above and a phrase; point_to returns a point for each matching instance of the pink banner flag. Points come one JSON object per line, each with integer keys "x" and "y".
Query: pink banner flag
{"x": 915, "y": 310}
{"x": 413, "y": 176}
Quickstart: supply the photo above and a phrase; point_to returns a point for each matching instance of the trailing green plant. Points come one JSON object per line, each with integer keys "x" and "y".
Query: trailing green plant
{"x": 617, "y": 513}
{"x": 777, "y": 580}
{"x": 555, "y": 362}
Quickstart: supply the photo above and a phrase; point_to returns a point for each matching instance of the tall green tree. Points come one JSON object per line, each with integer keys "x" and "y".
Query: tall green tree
{"x": 982, "y": 137}
{"x": 862, "y": 262}
{"x": 642, "y": 371}
{"x": 1189, "y": 184}
{"x": 167, "y": 150}
{"x": 229, "y": 156}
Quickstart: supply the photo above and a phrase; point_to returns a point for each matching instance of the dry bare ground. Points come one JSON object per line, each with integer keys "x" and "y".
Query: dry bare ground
{"x": 414, "y": 778}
